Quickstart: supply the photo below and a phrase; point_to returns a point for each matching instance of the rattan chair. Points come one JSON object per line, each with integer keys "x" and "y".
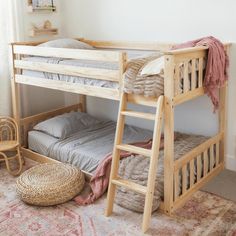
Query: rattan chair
{"x": 9, "y": 143}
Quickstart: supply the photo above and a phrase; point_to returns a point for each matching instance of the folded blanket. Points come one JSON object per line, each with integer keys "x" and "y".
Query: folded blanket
{"x": 147, "y": 85}
{"x": 100, "y": 180}
{"x": 216, "y": 68}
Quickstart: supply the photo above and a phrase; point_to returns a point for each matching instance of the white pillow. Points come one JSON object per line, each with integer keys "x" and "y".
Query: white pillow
{"x": 155, "y": 67}
{"x": 66, "y": 43}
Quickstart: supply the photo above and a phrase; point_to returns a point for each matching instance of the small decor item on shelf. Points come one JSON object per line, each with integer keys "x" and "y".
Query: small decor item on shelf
{"x": 47, "y": 24}
{"x": 9, "y": 144}
{"x": 44, "y": 5}
{"x": 46, "y": 29}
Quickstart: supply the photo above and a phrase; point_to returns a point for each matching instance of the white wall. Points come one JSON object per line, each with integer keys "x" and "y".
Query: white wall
{"x": 153, "y": 20}
{"x": 35, "y": 100}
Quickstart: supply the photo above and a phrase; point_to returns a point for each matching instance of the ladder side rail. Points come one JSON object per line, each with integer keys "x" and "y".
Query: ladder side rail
{"x": 153, "y": 165}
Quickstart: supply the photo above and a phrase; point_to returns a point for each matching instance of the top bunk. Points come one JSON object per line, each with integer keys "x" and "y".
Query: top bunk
{"x": 105, "y": 70}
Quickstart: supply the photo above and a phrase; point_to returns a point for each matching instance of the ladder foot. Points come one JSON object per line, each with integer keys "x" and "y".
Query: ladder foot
{"x": 108, "y": 213}
{"x": 110, "y": 199}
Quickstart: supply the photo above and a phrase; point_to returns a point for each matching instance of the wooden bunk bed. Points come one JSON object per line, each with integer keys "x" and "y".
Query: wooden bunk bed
{"x": 172, "y": 97}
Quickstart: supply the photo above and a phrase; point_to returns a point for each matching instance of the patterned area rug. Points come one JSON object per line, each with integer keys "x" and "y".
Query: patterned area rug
{"x": 204, "y": 214}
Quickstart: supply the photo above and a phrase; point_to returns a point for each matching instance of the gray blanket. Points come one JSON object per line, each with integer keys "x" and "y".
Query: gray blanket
{"x": 88, "y": 147}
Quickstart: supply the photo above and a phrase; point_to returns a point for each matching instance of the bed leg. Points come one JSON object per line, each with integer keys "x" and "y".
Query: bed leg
{"x": 223, "y": 121}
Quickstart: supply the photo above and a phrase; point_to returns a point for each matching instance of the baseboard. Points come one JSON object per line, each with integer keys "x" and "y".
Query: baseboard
{"x": 230, "y": 163}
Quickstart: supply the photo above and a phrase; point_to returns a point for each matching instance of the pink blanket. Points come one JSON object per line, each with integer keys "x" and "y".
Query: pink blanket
{"x": 100, "y": 180}
{"x": 217, "y": 65}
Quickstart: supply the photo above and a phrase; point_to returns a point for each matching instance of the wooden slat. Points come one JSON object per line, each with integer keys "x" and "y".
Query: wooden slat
{"x": 130, "y": 185}
{"x": 186, "y": 78}
{"x": 217, "y": 153}
{"x": 196, "y": 151}
{"x": 193, "y": 74}
{"x": 94, "y": 73}
{"x": 176, "y": 184}
{"x": 29, "y": 43}
{"x": 199, "y": 167}
{"x": 97, "y": 55}
{"x": 183, "y": 198}
{"x": 141, "y": 115}
{"x": 182, "y": 57}
{"x": 49, "y": 114}
{"x": 69, "y": 87}
{"x": 191, "y": 166}
{"x": 44, "y": 159}
{"x": 153, "y": 46}
{"x": 83, "y": 102}
{"x": 177, "y": 80}
{"x": 190, "y": 50}
{"x": 188, "y": 96}
{"x": 200, "y": 72}
{"x": 206, "y": 163}
{"x": 212, "y": 157}
{"x": 134, "y": 149}
{"x": 184, "y": 179}
{"x": 122, "y": 66}
{"x": 141, "y": 100}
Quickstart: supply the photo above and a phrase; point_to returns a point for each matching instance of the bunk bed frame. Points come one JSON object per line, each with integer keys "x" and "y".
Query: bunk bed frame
{"x": 173, "y": 96}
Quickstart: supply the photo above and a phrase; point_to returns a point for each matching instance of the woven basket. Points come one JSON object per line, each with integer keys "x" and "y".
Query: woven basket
{"x": 50, "y": 184}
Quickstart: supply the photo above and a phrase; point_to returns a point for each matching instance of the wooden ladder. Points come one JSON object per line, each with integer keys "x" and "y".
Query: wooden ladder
{"x": 148, "y": 190}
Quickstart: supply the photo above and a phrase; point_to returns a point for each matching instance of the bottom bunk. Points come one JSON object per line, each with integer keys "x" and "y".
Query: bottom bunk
{"x": 196, "y": 157}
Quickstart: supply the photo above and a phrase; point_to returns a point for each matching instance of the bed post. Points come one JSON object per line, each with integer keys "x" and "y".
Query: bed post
{"x": 15, "y": 90}
{"x": 169, "y": 134}
{"x": 223, "y": 121}
{"x": 82, "y": 100}
{"x": 223, "y": 104}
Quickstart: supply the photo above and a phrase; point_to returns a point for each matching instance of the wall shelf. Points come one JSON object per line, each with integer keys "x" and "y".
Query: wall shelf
{"x": 41, "y": 32}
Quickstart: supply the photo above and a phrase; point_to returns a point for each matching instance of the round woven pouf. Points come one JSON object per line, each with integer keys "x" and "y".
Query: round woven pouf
{"x": 50, "y": 184}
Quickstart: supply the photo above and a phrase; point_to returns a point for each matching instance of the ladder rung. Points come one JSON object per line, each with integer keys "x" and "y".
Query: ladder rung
{"x": 134, "y": 149}
{"x": 142, "y": 115}
{"x": 130, "y": 185}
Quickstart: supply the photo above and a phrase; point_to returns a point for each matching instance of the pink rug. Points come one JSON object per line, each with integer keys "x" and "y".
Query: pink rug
{"x": 204, "y": 214}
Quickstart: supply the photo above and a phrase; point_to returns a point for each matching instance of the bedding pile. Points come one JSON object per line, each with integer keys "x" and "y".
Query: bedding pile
{"x": 135, "y": 168}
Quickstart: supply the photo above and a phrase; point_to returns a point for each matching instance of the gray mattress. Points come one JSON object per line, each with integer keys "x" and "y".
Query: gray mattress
{"x": 85, "y": 148}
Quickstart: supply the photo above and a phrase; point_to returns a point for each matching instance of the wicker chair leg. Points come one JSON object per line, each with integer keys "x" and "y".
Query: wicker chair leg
{"x": 22, "y": 158}
{"x": 18, "y": 156}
